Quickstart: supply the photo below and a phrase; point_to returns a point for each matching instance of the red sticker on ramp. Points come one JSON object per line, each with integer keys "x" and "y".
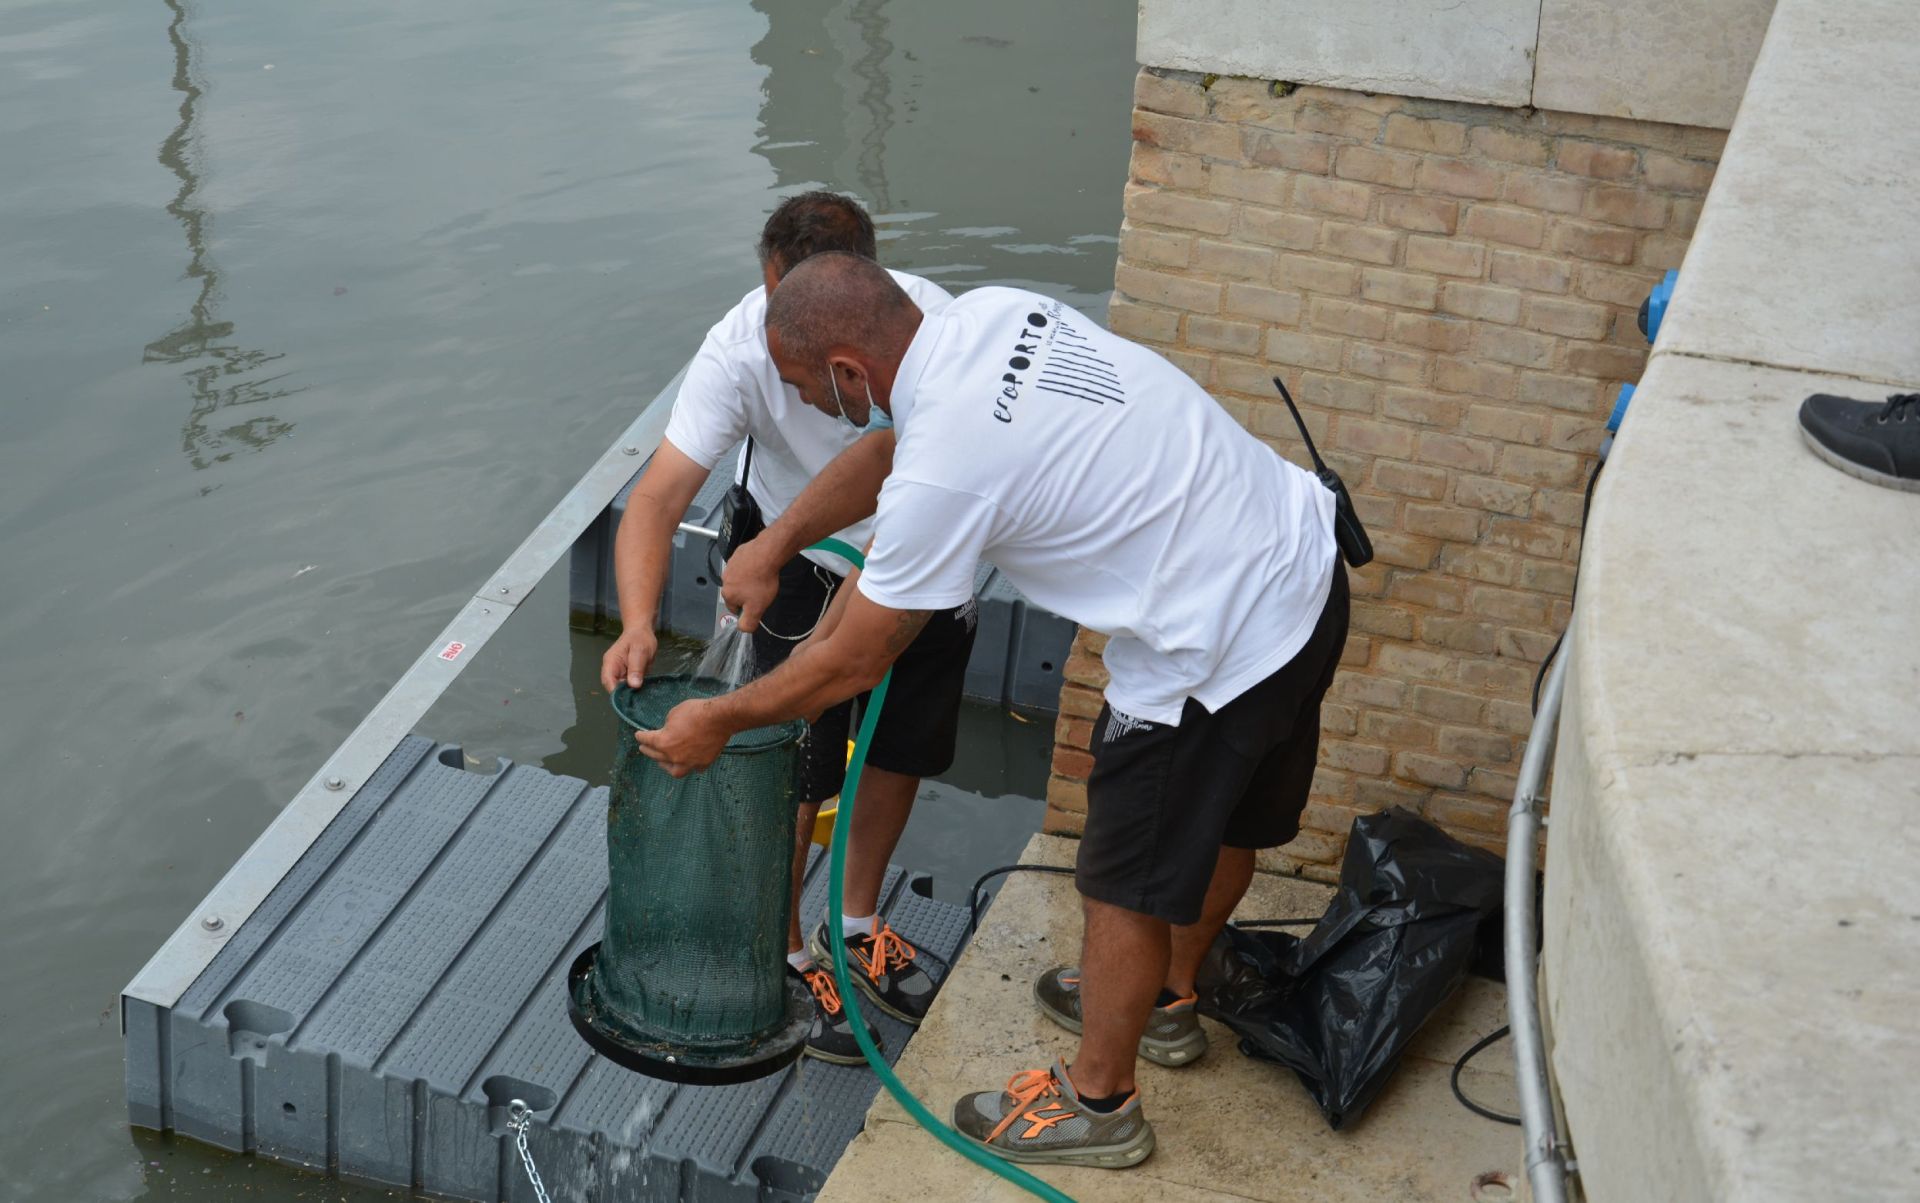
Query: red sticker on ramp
{"x": 452, "y": 650}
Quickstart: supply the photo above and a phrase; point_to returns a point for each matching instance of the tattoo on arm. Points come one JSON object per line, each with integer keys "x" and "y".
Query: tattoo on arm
{"x": 904, "y": 631}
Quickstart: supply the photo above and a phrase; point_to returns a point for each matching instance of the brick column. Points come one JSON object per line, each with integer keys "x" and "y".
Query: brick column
{"x": 1450, "y": 291}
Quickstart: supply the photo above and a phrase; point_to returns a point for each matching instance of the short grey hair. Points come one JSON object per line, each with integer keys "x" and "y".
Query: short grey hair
{"x": 836, "y": 299}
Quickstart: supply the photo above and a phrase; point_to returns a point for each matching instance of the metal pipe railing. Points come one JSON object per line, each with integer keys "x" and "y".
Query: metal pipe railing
{"x": 1546, "y": 1162}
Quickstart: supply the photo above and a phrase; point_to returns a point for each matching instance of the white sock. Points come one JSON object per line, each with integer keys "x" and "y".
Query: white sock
{"x": 801, "y": 960}
{"x": 856, "y": 925}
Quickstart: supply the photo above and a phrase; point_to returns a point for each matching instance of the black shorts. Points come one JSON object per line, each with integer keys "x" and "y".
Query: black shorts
{"x": 921, "y": 719}
{"x": 1161, "y": 800}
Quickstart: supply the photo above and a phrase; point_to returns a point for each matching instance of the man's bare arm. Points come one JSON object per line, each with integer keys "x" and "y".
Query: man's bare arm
{"x": 844, "y": 492}
{"x": 641, "y": 551}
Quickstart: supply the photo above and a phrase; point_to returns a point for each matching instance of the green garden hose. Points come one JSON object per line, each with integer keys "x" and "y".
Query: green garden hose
{"x": 836, "y": 938}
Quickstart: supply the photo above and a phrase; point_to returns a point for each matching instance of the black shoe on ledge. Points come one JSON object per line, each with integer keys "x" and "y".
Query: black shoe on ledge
{"x": 1877, "y": 441}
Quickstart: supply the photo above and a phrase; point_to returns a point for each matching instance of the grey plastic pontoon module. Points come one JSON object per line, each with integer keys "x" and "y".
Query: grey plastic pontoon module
{"x": 376, "y": 1014}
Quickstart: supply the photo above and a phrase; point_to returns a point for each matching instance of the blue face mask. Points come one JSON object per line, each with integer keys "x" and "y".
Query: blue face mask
{"x": 877, "y": 418}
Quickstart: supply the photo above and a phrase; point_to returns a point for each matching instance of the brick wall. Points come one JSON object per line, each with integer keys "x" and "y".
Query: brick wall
{"x": 1450, "y": 291}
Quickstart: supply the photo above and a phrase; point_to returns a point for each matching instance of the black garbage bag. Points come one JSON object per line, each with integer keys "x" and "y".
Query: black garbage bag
{"x": 1339, "y": 1006}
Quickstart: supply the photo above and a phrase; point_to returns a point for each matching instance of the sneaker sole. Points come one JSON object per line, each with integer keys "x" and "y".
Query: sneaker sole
{"x": 1099, "y": 1157}
{"x": 824, "y": 955}
{"x": 1859, "y": 472}
{"x": 1171, "y": 1053}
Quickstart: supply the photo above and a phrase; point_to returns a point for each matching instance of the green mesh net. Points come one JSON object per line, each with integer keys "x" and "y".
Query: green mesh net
{"x": 692, "y": 963}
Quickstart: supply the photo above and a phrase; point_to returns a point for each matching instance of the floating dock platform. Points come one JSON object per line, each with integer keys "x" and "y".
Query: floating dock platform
{"x": 405, "y": 982}
{"x": 382, "y": 973}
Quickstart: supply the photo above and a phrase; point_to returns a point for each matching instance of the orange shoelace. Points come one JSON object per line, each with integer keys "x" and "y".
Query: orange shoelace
{"x": 1033, "y": 1093}
{"x": 887, "y": 950}
{"x": 821, "y": 982}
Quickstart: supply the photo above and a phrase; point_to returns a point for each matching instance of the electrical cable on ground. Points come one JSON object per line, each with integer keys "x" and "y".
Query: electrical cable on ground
{"x": 1454, "y": 1080}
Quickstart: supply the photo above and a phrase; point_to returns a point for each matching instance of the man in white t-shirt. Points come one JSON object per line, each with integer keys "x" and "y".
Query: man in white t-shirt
{"x": 732, "y": 392}
{"x": 1112, "y": 490}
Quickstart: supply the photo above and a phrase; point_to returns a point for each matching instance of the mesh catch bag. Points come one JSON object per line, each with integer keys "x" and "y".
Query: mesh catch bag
{"x": 690, "y": 980}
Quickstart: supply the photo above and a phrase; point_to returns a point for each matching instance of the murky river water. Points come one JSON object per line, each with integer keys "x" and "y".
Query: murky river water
{"x": 309, "y": 312}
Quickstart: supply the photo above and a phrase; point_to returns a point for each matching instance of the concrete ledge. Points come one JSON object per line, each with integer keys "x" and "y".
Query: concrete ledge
{"x": 1228, "y": 1127}
{"x": 1732, "y": 949}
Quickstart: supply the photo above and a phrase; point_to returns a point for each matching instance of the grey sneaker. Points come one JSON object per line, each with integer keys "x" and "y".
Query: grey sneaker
{"x": 881, "y": 967}
{"x": 1173, "y": 1037}
{"x": 1878, "y": 442}
{"x": 1039, "y": 1118}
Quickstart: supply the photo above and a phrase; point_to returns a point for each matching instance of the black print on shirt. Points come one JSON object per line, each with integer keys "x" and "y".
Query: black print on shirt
{"x": 1076, "y": 369}
{"x": 1071, "y": 366}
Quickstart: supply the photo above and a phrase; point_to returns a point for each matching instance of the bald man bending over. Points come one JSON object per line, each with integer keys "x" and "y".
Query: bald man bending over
{"x": 1111, "y": 490}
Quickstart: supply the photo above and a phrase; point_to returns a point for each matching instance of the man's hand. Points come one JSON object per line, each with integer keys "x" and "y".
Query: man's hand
{"x": 628, "y": 659}
{"x": 752, "y": 580}
{"x": 690, "y": 740}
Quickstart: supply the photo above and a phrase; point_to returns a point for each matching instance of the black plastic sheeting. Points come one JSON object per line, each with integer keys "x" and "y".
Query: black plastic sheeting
{"x": 1340, "y": 1006}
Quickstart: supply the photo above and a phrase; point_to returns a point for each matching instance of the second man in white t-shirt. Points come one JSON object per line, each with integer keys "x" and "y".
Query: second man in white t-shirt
{"x": 733, "y": 392}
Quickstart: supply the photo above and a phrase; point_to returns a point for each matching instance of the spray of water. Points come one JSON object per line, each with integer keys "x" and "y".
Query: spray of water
{"x": 729, "y": 657}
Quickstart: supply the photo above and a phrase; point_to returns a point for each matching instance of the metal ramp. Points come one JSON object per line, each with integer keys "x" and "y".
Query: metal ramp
{"x": 374, "y": 1015}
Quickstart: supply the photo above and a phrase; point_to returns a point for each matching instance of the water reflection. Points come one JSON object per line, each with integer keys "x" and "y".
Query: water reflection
{"x": 1024, "y": 119}
{"x": 224, "y": 376}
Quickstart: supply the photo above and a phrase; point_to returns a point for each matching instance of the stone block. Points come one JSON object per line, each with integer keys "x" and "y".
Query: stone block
{"x": 1547, "y": 193}
{"x": 1586, "y": 240}
{"x": 1501, "y": 223}
{"x": 1597, "y": 159}
{"x": 1232, "y": 259}
{"x": 1475, "y": 378}
{"x": 1263, "y": 303}
{"x": 1344, "y": 317}
{"x": 1304, "y": 350}
{"x": 1537, "y": 273}
{"x": 1511, "y": 146}
{"x": 1435, "y": 137}
{"x": 1160, "y": 288}
{"x": 1208, "y": 139}
{"x": 1424, "y": 214}
{"x": 1484, "y": 302}
{"x": 1368, "y": 244}
{"x": 1446, "y": 257}
{"x": 1683, "y": 64}
{"x": 1431, "y": 333}
{"x": 1388, "y": 363}
{"x": 1407, "y": 289}
{"x": 1161, "y": 92}
{"x": 1260, "y": 185}
{"x": 1167, "y": 169}
{"x": 1294, "y": 152}
{"x": 1274, "y": 227}
{"x": 1631, "y": 207}
{"x": 1370, "y": 166}
{"x": 1568, "y": 318}
{"x": 1342, "y": 198}
{"x": 1458, "y": 177}
{"x": 1316, "y": 275}
{"x": 1478, "y": 52}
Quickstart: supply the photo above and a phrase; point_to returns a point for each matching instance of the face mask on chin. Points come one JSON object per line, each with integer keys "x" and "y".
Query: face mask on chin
{"x": 877, "y": 418}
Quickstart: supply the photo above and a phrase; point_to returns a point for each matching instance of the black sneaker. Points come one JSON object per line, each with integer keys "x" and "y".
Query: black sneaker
{"x": 831, "y": 1038}
{"x": 882, "y": 968}
{"x": 1878, "y": 442}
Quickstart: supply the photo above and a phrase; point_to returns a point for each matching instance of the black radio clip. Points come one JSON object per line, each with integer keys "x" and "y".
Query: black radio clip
{"x": 1348, "y": 531}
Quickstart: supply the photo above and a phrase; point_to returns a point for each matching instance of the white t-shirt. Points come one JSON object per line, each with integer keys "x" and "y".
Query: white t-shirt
{"x": 1110, "y": 489}
{"x": 732, "y": 390}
